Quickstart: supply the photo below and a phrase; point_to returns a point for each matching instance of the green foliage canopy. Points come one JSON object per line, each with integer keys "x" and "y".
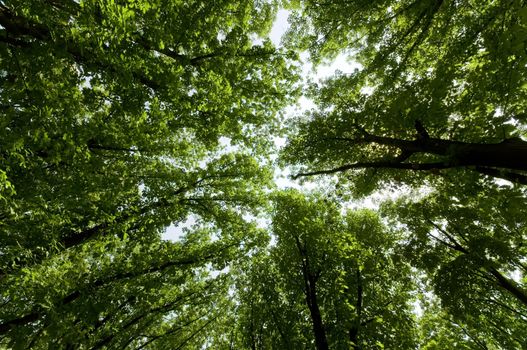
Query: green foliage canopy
{"x": 115, "y": 117}
{"x": 122, "y": 117}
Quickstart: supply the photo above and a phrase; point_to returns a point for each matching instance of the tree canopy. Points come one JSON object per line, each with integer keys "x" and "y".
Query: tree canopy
{"x": 339, "y": 273}
{"x": 122, "y": 119}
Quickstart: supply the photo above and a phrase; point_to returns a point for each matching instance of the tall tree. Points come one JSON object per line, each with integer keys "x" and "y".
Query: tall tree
{"x": 119, "y": 119}
{"x": 472, "y": 250}
{"x": 438, "y": 106}
{"x": 441, "y": 89}
{"x": 329, "y": 282}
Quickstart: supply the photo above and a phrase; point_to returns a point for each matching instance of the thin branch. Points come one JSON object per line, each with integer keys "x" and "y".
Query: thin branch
{"x": 478, "y": 342}
{"x": 377, "y": 165}
{"x": 197, "y": 332}
{"x": 454, "y": 244}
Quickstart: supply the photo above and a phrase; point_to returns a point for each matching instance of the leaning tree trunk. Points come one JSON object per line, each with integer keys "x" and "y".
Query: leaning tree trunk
{"x": 506, "y": 159}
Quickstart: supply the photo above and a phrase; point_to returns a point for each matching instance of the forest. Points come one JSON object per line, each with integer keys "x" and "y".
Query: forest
{"x": 392, "y": 214}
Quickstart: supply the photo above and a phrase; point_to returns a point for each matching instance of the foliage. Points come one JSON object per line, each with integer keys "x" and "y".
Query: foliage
{"x": 440, "y": 86}
{"x": 437, "y": 110}
{"x": 342, "y": 268}
{"x": 121, "y": 118}
{"x": 471, "y": 248}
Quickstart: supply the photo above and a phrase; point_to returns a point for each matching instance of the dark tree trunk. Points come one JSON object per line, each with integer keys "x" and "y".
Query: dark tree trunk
{"x": 316, "y": 318}
{"x": 509, "y": 286}
{"x": 508, "y": 154}
{"x": 506, "y": 159}
{"x": 310, "y": 286}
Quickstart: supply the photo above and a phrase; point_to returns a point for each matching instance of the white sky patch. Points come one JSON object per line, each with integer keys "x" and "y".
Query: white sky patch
{"x": 279, "y": 141}
{"x": 367, "y": 90}
{"x": 305, "y": 104}
{"x": 215, "y": 273}
{"x": 503, "y": 183}
{"x": 516, "y": 276}
{"x": 176, "y": 231}
{"x": 280, "y": 26}
{"x": 342, "y": 63}
{"x": 417, "y": 308}
{"x": 225, "y": 142}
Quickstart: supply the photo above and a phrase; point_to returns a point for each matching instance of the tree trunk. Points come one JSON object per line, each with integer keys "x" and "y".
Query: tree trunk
{"x": 509, "y": 286}
{"x": 507, "y": 159}
{"x": 508, "y": 154}
{"x": 316, "y": 318}
{"x": 310, "y": 286}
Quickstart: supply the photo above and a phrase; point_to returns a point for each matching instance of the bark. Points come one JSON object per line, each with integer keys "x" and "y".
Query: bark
{"x": 98, "y": 230}
{"x": 509, "y": 286}
{"x": 18, "y": 26}
{"x": 508, "y": 154}
{"x": 284, "y": 338}
{"x": 310, "y": 282}
{"x": 132, "y": 214}
{"x": 506, "y": 159}
{"x": 316, "y": 318}
{"x": 94, "y": 232}
{"x": 195, "y": 333}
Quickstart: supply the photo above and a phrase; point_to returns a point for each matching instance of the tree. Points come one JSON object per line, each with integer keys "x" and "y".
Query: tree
{"x": 503, "y": 160}
{"x": 118, "y": 120}
{"x": 330, "y": 282}
{"x": 425, "y": 100}
{"x": 472, "y": 250}
{"x": 86, "y": 132}
{"x": 438, "y": 106}
{"x": 439, "y": 331}
{"x": 113, "y": 296}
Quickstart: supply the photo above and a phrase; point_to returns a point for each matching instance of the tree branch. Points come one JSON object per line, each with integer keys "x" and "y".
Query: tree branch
{"x": 513, "y": 177}
{"x": 377, "y": 165}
